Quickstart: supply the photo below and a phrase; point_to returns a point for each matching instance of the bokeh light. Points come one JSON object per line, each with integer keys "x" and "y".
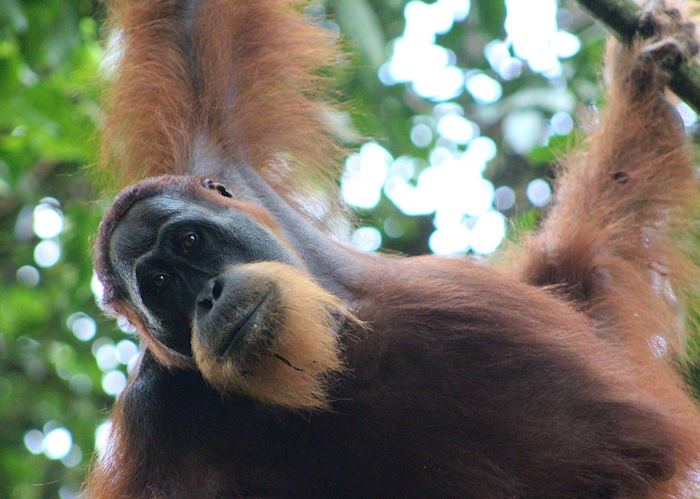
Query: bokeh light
{"x": 34, "y": 441}
{"x": 451, "y": 186}
{"x": 28, "y": 275}
{"x": 126, "y": 351}
{"x": 504, "y": 198}
{"x": 457, "y": 129}
{"x": 421, "y": 135}
{"x": 418, "y": 60}
{"x": 97, "y": 288}
{"x": 106, "y": 356}
{"x": 531, "y": 27}
{"x": 47, "y": 253}
{"x": 562, "y": 123}
{"x": 523, "y": 130}
{"x": 366, "y": 239}
{"x": 488, "y": 232}
{"x": 102, "y": 436}
{"x": 73, "y": 458}
{"x": 539, "y": 192}
{"x": 483, "y": 88}
{"x": 82, "y": 325}
{"x": 57, "y": 443}
{"x": 688, "y": 114}
{"x": 47, "y": 220}
{"x": 364, "y": 175}
{"x": 114, "y": 382}
{"x": 453, "y": 240}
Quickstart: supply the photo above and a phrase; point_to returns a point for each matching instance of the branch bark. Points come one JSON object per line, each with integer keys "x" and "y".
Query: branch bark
{"x": 622, "y": 18}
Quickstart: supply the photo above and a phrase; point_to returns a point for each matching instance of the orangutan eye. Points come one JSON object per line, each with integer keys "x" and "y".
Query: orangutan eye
{"x": 160, "y": 281}
{"x": 188, "y": 242}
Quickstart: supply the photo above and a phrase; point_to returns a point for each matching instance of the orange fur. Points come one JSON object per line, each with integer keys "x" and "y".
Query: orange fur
{"x": 620, "y": 249}
{"x": 240, "y": 74}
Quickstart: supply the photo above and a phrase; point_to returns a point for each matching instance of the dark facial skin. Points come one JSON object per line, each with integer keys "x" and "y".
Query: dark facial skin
{"x": 168, "y": 249}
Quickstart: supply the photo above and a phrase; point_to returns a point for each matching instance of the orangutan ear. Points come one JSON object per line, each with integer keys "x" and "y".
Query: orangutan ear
{"x": 217, "y": 186}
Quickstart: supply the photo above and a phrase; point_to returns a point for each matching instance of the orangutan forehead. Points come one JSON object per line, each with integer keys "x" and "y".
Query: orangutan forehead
{"x": 138, "y": 229}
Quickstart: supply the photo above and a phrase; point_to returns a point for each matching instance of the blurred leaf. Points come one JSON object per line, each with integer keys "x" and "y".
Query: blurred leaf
{"x": 360, "y": 22}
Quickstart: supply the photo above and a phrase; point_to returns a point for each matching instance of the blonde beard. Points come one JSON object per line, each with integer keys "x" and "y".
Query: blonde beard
{"x": 304, "y": 354}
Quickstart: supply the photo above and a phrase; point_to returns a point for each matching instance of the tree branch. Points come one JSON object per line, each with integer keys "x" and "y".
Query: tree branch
{"x": 622, "y": 18}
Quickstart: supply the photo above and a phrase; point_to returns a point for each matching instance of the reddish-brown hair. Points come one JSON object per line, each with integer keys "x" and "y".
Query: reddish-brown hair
{"x": 241, "y": 73}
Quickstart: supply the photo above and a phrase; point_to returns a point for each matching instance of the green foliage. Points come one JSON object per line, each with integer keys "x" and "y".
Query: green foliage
{"x": 49, "y": 59}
